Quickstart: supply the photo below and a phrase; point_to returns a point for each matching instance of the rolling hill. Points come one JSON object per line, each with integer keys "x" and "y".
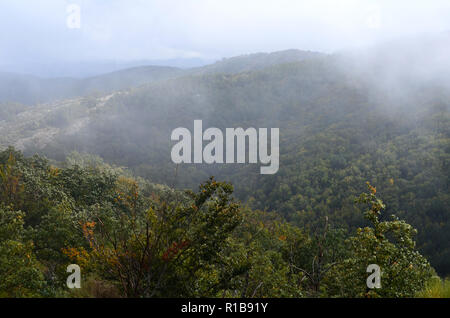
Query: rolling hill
{"x": 344, "y": 119}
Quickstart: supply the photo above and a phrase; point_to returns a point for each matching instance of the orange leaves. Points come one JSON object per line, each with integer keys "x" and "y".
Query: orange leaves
{"x": 71, "y": 252}
{"x": 88, "y": 228}
{"x": 372, "y": 189}
{"x": 88, "y": 231}
{"x": 90, "y": 224}
{"x": 80, "y": 256}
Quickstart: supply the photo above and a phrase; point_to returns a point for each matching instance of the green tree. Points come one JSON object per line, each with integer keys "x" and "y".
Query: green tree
{"x": 388, "y": 244}
{"x": 167, "y": 246}
{"x": 20, "y": 274}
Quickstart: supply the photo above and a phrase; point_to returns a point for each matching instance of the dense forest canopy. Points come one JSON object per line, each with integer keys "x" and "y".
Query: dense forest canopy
{"x": 133, "y": 238}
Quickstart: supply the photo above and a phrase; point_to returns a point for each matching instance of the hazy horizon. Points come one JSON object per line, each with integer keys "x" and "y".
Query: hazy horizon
{"x": 195, "y": 33}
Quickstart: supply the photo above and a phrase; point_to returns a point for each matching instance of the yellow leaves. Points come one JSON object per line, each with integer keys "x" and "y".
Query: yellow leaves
{"x": 71, "y": 252}
{"x": 391, "y": 181}
{"x": 127, "y": 192}
{"x": 79, "y": 256}
{"x": 54, "y": 171}
{"x": 282, "y": 237}
{"x": 129, "y": 185}
{"x": 112, "y": 260}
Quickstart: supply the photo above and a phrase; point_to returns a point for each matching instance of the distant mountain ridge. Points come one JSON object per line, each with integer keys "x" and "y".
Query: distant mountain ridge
{"x": 257, "y": 61}
{"x": 28, "y": 89}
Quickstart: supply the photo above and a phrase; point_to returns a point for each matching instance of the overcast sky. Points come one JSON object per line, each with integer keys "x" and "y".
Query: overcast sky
{"x": 210, "y": 29}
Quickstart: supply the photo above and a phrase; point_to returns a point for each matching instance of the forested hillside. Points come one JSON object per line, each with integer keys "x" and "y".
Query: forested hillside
{"x": 343, "y": 119}
{"x": 133, "y": 238}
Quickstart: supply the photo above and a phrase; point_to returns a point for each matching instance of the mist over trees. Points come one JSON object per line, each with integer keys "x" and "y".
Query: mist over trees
{"x": 379, "y": 115}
